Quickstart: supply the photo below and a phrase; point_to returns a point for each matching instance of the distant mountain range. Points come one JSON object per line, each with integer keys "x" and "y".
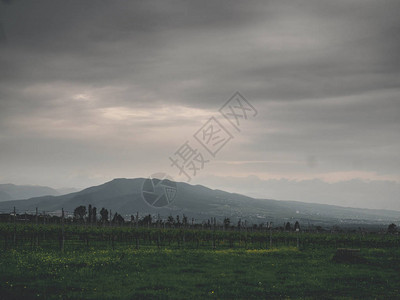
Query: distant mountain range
{"x": 195, "y": 201}
{"x": 14, "y": 192}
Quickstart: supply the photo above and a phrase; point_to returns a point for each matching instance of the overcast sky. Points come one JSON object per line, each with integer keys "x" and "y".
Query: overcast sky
{"x": 94, "y": 90}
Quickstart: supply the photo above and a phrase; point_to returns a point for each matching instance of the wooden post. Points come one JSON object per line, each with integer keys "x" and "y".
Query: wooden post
{"x": 266, "y": 236}
{"x": 44, "y": 222}
{"x": 15, "y": 226}
{"x": 213, "y": 232}
{"x": 245, "y": 241}
{"x": 37, "y": 233}
{"x": 270, "y": 235}
{"x": 62, "y": 230}
{"x": 132, "y": 220}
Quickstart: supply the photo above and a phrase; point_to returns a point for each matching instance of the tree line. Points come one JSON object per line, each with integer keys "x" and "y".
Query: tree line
{"x": 90, "y": 215}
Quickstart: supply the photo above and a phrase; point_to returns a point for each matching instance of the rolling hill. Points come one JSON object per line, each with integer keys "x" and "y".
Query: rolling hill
{"x": 125, "y": 197}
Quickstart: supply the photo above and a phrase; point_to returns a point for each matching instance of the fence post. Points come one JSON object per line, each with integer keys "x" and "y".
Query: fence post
{"x": 36, "y": 233}
{"x": 44, "y": 223}
{"x": 270, "y": 235}
{"x": 245, "y": 236}
{"x": 183, "y": 237}
{"x": 213, "y": 233}
{"x": 62, "y": 230}
{"x": 15, "y": 227}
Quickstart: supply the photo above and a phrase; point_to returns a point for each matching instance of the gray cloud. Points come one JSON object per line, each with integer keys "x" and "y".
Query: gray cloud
{"x": 86, "y": 87}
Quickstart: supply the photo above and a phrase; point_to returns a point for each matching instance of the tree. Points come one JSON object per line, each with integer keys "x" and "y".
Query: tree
{"x": 392, "y": 228}
{"x": 147, "y": 220}
{"x": 118, "y": 219}
{"x": 184, "y": 220}
{"x": 297, "y": 226}
{"x": 94, "y": 215}
{"x": 170, "y": 220}
{"x": 90, "y": 213}
{"x": 288, "y": 226}
{"x": 239, "y": 224}
{"x": 80, "y": 213}
{"x": 227, "y": 222}
{"x": 103, "y": 215}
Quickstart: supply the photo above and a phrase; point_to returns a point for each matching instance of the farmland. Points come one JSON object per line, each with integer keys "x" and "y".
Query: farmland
{"x": 124, "y": 263}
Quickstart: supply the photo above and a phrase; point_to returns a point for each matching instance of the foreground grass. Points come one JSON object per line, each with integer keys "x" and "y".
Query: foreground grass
{"x": 191, "y": 274}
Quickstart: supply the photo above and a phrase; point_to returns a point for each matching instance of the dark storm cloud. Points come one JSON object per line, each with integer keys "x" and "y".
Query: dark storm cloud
{"x": 310, "y": 49}
{"x": 80, "y": 30}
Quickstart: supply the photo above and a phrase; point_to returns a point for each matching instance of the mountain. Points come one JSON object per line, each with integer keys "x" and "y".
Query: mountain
{"x": 66, "y": 190}
{"x": 4, "y": 196}
{"x": 13, "y": 192}
{"x": 125, "y": 197}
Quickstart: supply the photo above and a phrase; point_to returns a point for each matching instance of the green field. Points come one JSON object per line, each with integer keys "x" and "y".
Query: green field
{"x": 246, "y": 268}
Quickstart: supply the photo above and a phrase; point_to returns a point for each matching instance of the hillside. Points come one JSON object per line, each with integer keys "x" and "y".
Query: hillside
{"x": 124, "y": 196}
{"x": 14, "y": 192}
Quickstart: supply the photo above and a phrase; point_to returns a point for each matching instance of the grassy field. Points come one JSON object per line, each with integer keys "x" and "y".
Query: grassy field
{"x": 153, "y": 263}
{"x": 151, "y": 273}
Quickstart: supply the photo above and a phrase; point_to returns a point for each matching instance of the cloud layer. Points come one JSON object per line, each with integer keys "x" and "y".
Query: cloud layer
{"x": 90, "y": 91}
